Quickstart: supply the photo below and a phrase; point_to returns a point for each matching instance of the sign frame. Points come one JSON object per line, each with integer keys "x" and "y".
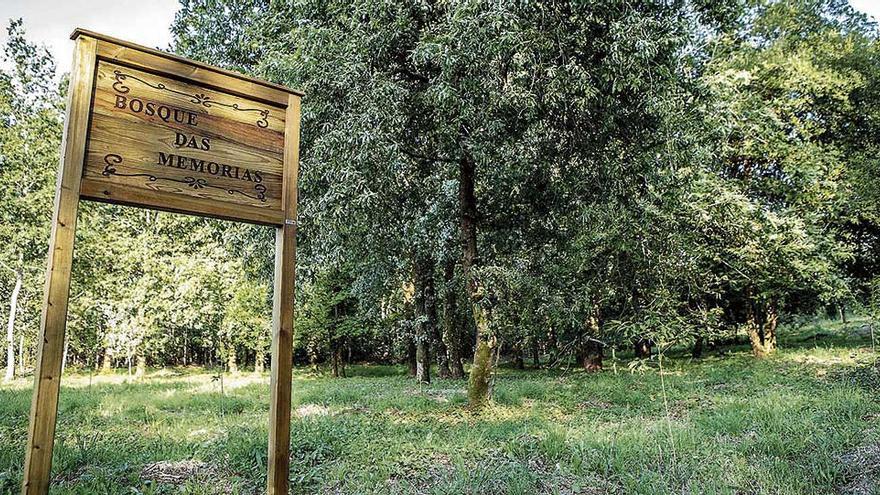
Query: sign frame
{"x": 93, "y": 49}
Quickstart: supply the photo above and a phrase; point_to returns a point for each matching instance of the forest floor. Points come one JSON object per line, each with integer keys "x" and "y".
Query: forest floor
{"x": 804, "y": 421}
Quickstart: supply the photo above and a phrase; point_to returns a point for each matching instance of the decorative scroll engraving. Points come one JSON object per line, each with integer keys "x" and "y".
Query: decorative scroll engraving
{"x": 112, "y": 159}
{"x": 198, "y": 98}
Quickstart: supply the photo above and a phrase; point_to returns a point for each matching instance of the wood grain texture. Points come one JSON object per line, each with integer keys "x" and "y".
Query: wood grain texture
{"x": 44, "y": 406}
{"x": 105, "y": 42}
{"x": 282, "y": 314}
{"x": 164, "y": 143}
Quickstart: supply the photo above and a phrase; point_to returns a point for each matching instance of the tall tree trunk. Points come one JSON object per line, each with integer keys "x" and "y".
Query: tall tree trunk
{"x": 593, "y": 349}
{"x": 107, "y": 362}
{"x": 232, "y": 361}
{"x": 21, "y": 364}
{"x": 536, "y": 354}
{"x": 340, "y": 360}
{"x": 451, "y": 332}
{"x": 411, "y": 356}
{"x": 421, "y": 269}
{"x": 425, "y": 322}
{"x": 64, "y": 354}
{"x": 334, "y": 359}
{"x": 260, "y": 362}
{"x": 10, "y": 327}
{"x": 141, "y": 369}
{"x": 762, "y": 329}
{"x": 440, "y": 351}
{"x": 481, "y": 372}
{"x": 518, "y": 361}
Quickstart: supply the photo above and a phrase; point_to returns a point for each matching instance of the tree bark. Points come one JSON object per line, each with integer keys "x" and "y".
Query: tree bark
{"x": 107, "y": 362}
{"x": 481, "y": 372}
{"x": 10, "y": 327}
{"x": 439, "y": 350}
{"x": 762, "y": 329}
{"x": 642, "y": 348}
{"x": 141, "y": 369}
{"x": 64, "y": 354}
{"x": 337, "y": 359}
{"x": 536, "y": 354}
{"x": 260, "y": 362}
{"x": 451, "y": 332}
{"x": 518, "y": 361}
{"x": 422, "y": 268}
{"x": 232, "y": 361}
{"x": 21, "y": 364}
{"x": 411, "y": 356}
{"x": 592, "y": 356}
{"x": 593, "y": 349}
{"x": 334, "y": 362}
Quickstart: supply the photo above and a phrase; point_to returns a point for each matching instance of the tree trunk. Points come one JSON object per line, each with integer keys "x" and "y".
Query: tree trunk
{"x": 64, "y": 354}
{"x": 451, "y": 332}
{"x": 232, "y": 361}
{"x": 337, "y": 367}
{"x": 107, "y": 362}
{"x": 423, "y": 332}
{"x": 21, "y": 364}
{"x": 340, "y": 360}
{"x": 481, "y": 372}
{"x": 762, "y": 329}
{"x": 518, "y": 361}
{"x": 440, "y": 350}
{"x": 536, "y": 354}
{"x": 593, "y": 349}
{"x": 260, "y": 362}
{"x": 697, "y": 350}
{"x": 642, "y": 348}
{"x": 411, "y": 357}
{"x": 593, "y": 354}
{"x": 10, "y": 328}
{"x": 141, "y": 369}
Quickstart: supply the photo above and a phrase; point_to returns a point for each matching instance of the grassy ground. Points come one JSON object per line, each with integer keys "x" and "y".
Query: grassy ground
{"x": 805, "y": 421}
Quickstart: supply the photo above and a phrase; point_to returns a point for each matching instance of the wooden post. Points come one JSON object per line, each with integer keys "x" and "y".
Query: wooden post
{"x": 44, "y": 406}
{"x": 282, "y": 313}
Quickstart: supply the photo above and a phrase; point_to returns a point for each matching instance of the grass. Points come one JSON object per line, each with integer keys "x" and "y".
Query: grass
{"x": 802, "y": 422}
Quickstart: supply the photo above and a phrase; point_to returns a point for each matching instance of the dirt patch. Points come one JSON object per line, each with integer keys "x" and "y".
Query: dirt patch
{"x": 183, "y": 472}
{"x": 307, "y": 410}
{"x": 863, "y": 470}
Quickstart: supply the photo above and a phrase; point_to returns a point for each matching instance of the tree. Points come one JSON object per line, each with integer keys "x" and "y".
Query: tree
{"x": 785, "y": 84}
{"x": 30, "y": 124}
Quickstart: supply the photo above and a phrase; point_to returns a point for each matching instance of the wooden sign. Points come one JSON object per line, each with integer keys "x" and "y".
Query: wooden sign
{"x": 172, "y": 144}
{"x": 150, "y": 129}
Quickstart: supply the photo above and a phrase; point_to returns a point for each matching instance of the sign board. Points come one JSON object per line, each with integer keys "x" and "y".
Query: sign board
{"x": 150, "y": 129}
{"x": 174, "y": 144}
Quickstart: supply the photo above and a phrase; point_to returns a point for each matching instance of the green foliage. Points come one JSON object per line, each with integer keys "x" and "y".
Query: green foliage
{"x": 667, "y": 172}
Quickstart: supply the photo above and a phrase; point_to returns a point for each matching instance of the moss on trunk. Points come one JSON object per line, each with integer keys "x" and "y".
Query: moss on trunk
{"x": 481, "y": 372}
